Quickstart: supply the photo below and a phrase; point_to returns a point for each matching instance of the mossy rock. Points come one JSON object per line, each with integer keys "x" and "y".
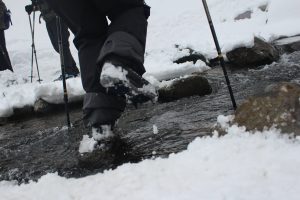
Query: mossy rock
{"x": 279, "y": 107}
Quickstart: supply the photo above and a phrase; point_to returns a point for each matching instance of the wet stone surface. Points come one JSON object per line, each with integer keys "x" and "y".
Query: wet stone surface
{"x": 32, "y": 147}
{"x": 279, "y": 107}
{"x": 261, "y": 53}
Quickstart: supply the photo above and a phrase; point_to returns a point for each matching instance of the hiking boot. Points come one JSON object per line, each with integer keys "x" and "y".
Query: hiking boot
{"x": 99, "y": 138}
{"x": 68, "y": 76}
{"x": 104, "y": 136}
{"x": 102, "y": 132}
{"x": 102, "y": 151}
{"x": 123, "y": 81}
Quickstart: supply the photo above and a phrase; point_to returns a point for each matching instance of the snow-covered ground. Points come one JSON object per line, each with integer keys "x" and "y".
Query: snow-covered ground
{"x": 172, "y": 22}
{"x": 240, "y": 165}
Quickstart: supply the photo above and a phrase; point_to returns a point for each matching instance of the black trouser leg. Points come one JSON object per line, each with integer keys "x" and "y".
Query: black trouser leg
{"x": 4, "y": 57}
{"x": 126, "y": 37}
{"x": 90, "y": 29}
{"x": 70, "y": 64}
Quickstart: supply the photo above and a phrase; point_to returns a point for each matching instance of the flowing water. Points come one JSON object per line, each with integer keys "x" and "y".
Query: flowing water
{"x": 32, "y": 147}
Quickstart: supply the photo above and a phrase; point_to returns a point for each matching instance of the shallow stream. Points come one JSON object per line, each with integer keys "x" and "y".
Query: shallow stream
{"x": 31, "y": 147}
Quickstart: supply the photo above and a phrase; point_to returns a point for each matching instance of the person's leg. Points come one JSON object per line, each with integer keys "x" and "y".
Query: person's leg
{"x": 127, "y": 32}
{"x": 90, "y": 29}
{"x": 123, "y": 50}
{"x": 70, "y": 64}
{"x": 4, "y": 57}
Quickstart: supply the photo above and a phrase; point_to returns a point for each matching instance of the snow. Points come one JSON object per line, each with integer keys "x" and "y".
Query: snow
{"x": 224, "y": 121}
{"x": 173, "y": 26}
{"x": 87, "y": 144}
{"x": 112, "y": 74}
{"x": 240, "y": 165}
{"x": 104, "y": 132}
{"x": 155, "y": 129}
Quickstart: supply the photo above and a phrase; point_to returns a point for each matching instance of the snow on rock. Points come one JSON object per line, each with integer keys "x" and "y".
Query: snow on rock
{"x": 262, "y": 53}
{"x": 53, "y": 92}
{"x": 18, "y": 96}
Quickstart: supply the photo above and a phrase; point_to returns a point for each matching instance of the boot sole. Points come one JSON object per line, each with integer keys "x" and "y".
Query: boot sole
{"x": 119, "y": 85}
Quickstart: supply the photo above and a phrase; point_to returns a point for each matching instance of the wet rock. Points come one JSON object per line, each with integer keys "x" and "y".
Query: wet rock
{"x": 3, "y": 120}
{"x": 41, "y": 106}
{"x": 279, "y": 106}
{"x": 23, "y": 111}
{"x": 264, "y": 7}
{"x": 192, "y": 57}
{"x": 214, "y": 62}
{"x": 261, "y": 53}
{"x": 244, "y": 15}
{"x": 185, "y": 87}
{"x": 288, "y": 45}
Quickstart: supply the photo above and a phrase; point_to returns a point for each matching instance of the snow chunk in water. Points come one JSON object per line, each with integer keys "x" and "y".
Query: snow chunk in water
{"x": 224, "y": 120}
{"x": 155, "y": 129}
{"x": 87, "y": 144}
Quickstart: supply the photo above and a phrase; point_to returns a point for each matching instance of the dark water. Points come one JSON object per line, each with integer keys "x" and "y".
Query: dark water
{"x": 31, "y": 147}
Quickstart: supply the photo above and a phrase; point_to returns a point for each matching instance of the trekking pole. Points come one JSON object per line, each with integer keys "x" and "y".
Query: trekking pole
{"x": 220, "y": 55}
{"x": 60, "y": 45}
{"x": 31, "y": 70}
{"x": 33, "y": 49}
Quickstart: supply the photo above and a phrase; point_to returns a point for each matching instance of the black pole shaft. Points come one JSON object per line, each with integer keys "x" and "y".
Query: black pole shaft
{"x": 60, "y": 45}
{"x": 33, "y": 49}
{"x": 220, "y": 55}
{"x": 32, "y": 45}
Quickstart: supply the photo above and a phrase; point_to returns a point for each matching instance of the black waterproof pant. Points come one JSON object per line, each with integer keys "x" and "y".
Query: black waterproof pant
{"x": 4, "y": 58}
{"x": 97, "y": 41}
{"x": 70, "y": 64}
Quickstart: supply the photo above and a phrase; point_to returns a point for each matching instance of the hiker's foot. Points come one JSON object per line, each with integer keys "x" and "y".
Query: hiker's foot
{"x": 68, "y": 76}
{"x": 123, "y": 81}
{"x": 104, "y": 136}
{"x": 106, "y": 147}
{"x": 102, "y": 132}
